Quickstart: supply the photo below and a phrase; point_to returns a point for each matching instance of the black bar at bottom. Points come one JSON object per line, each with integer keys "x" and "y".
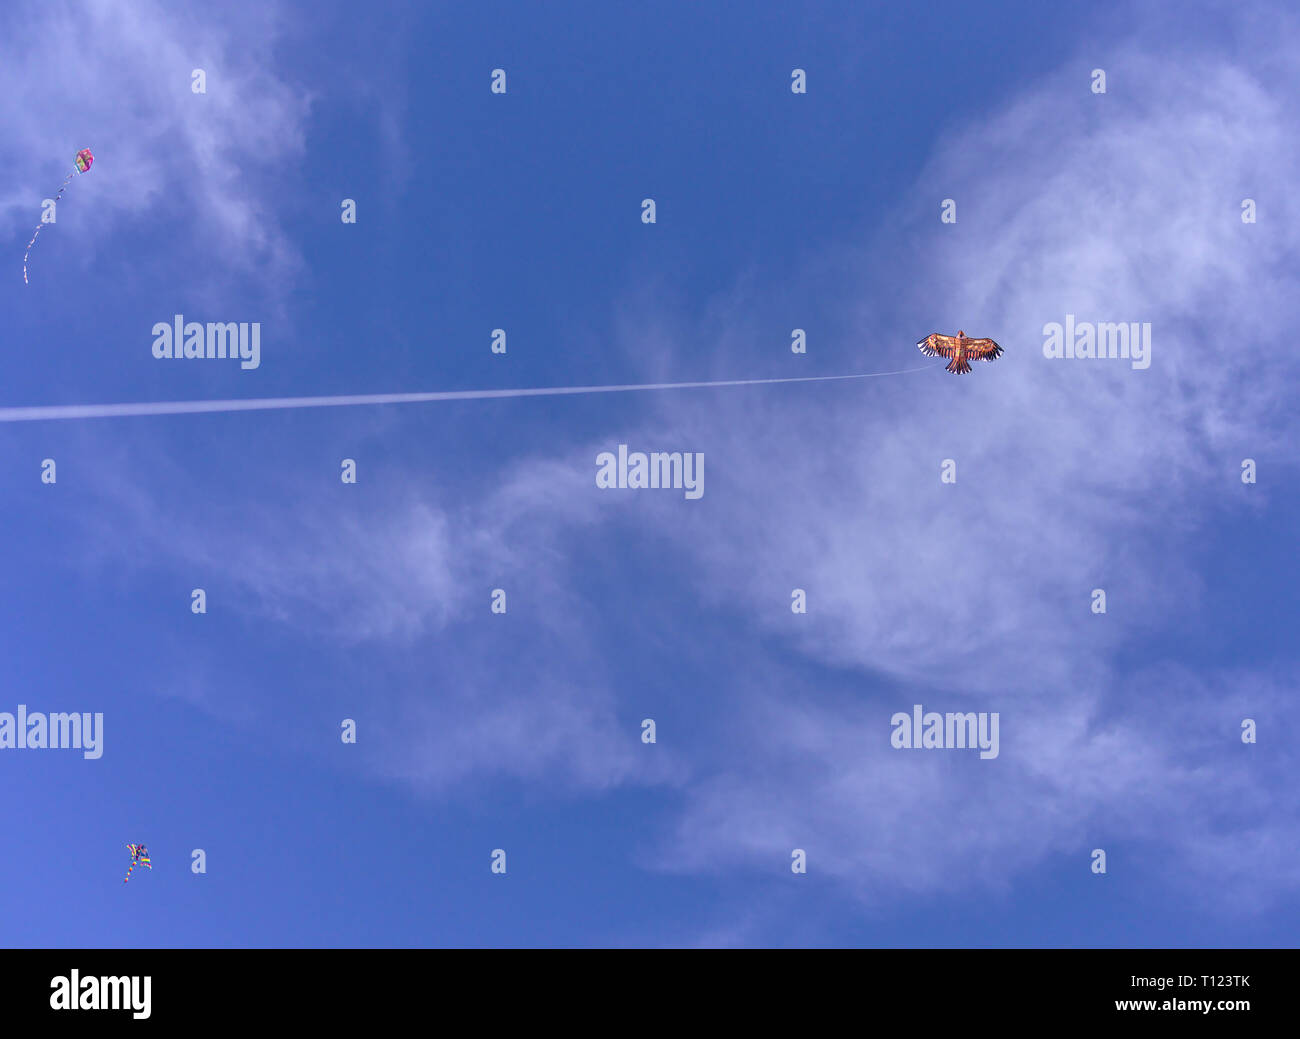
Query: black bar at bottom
{"x": 658, "y": 988}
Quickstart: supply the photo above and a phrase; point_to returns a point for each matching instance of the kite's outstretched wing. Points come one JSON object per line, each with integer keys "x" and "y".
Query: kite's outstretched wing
{"x": 938, "y": 345}
{"x": 982, "y": 349}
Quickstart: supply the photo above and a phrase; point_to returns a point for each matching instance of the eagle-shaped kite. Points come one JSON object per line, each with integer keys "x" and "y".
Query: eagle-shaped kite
{"x": 960, "y": 349}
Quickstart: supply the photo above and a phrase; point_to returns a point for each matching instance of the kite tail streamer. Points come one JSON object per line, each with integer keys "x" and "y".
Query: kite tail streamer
{"x": 138, "y": 855}
{"x": 37, "y": 233}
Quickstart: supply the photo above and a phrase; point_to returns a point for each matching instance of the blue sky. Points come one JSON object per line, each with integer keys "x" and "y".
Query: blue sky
{"x": 775, "y": 211}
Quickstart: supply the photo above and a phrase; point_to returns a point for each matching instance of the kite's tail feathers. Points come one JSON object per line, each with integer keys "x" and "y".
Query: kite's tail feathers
{"x": 958, "y": 366}
{"x": 29, "y": 251}
{"x": 37, "y": 233}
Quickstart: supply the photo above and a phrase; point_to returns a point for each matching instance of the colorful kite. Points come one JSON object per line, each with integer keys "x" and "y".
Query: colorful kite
{"x": 960, "y": 349}
{"x": 84, "y": 161}
{"x": 140, "y": 854}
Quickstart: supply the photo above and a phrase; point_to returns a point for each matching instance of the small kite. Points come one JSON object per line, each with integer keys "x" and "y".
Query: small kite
{"x": 959, "y": 349}
{"x": 139, "y": 854}
{"x": 84, "y": 161}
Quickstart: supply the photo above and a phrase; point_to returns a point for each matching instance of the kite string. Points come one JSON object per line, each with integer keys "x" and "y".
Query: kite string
{"x": 62, "y": 188}
{"x": 193, "y": 407}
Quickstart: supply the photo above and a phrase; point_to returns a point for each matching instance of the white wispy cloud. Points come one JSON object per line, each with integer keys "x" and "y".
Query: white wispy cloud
{"x": 1071, "y": 475}
{"x": 458, "y": 693}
